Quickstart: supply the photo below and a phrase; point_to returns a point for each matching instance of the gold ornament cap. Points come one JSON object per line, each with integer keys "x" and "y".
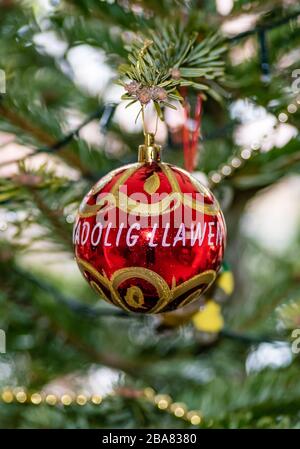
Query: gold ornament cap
{"x": 149, "y": 151}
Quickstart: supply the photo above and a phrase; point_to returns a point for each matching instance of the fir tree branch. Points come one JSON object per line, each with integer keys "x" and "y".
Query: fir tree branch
{"x": 264, "y": 27}
{"x": 26, "y": 126}
{"x": 160, "y": 62}
{"x": 53, "y": 217}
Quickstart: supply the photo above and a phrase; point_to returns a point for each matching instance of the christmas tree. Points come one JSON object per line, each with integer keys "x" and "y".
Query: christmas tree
{"x": 219, "y": 83}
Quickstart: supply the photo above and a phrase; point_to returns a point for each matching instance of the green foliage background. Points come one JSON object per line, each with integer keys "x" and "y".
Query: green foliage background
{"x": 48, "y": 336}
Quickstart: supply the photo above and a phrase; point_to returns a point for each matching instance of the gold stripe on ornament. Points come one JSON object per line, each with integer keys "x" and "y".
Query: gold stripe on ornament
{"x": 170, "y": 176}
{"x": 208, "y": 209}
{"x": 99, "y": 291}
{"x": 88, "y": 210}
{"x": 105, "y": 180}
{"x": 205, "y": 191}
{"x": 152, "y": 184}
{"x": 206, "y": 277}
{"x": 193, "y": 296}
{"x": 197, "y": 184}
{"x": 124, "y": 177}
{"x": 104, "y": 281}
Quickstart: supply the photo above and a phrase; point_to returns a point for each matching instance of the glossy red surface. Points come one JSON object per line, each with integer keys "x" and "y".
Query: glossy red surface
{"x": 164, "y": 267}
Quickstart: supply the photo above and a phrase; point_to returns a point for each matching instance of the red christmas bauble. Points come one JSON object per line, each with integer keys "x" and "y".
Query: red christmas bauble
{"x": 149, "y": 238}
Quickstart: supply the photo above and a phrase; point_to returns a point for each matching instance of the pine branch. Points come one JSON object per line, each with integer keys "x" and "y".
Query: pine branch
{"x": 109, "y": 359}
{"x": 26, "y": 126}
{"x": 160, "y": 62}
{"x": 53, "y": 217}
{"x": 75, "y": 338}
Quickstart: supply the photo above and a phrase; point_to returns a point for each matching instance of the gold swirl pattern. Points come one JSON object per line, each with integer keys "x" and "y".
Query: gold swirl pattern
{"x": 117, "y": 198}
{"x": 112, "y": 296}
{"x": 187, "y": 200}
{"x": 197, "y": 184}
{"x": 132, "y": 168}
{"x": 134, "y": 297}
{"x": 160, "y": 285}
{"x": 129, "y": 205}
{"x": 109, "y": 177}
{"x": 88, "y": 210}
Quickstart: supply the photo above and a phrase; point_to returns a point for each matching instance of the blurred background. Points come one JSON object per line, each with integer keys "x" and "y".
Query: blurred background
{"x": 62, "y": 127}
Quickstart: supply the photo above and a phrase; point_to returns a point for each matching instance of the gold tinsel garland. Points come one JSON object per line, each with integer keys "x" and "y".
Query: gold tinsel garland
{"x": 163, "y": 402}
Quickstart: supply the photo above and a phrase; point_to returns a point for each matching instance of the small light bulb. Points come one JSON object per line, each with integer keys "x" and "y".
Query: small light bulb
{"x": 282, "y": 117}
